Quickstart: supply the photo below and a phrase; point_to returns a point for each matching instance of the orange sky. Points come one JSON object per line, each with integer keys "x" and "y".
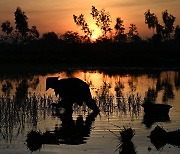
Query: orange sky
{"x": 56, "y": 15}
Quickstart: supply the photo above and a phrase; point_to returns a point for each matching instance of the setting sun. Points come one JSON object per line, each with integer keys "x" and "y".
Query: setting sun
{"x": 96, "y": 31}
{"x": 94, "y": 37}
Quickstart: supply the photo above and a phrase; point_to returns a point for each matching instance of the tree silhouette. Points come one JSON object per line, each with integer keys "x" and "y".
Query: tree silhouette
{"x": 21, "y": 22}
{"x": 80, "y": 21}
{"x": 103, "y": 20}
{"x": 177, "y": 34}
{"x": 33, "y": 32}
{"x": 151, "y": 20}
{"x": 133, "y": 33}
{"x": 50, "y": 36}
{"x": 6, "y": 27}
{"x": 157, "y": 38}
{"x": 159, "y": 29}
{"x": 168, "y": 20}
{"x": 71, "y": 37}
{"x": 119, "y": 27}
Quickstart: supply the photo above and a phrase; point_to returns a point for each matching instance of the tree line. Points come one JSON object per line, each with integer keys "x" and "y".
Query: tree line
{"x": 22, "y": 30}
{"x": 168, "y": 31}
{"x": 103, "y": 21}
{"x": 23, "y": 33}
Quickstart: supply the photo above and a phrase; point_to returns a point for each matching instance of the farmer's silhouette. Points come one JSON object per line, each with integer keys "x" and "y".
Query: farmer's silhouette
{"x": 71, "y": 90}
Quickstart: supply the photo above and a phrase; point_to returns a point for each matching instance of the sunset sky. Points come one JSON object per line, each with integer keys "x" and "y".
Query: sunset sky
{"x": 57, "y": 15}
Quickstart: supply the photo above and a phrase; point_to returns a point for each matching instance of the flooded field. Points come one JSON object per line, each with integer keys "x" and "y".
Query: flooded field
{"x": 25, "y": 108}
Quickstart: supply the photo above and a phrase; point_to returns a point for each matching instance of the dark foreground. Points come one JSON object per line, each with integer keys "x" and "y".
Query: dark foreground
{"x": 105, "y": 54}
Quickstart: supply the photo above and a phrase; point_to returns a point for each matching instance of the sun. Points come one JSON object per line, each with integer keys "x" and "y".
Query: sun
{"x": 96, "y": 32}
{"x": 94, "y": 37}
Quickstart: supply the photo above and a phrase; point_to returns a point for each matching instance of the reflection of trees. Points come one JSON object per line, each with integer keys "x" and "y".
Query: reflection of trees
{"x": 22, "y": 84}
{"x": 18, "y": 110}
{"x": 14, "y": 115}
{"x": 17, "y": 114}
{"x": 134, "y": 103}
{"x": 168, "y": 89}
{"x": 151, "y": 94}
{"x": 21, "y": 91}
{"x": 164, "y": 84}
{"x": 165, "y": 81}
{"x": 22, "y": 107}
{"x": 177, "y": 80}
{"x": 7, "y": 87}
{"x": 33, "y": 82}
{"x": 133, "y": 83}
{"x": 105, "y": 98}
{"x": 118, "y": 102}
{"x": 119, "y": 96}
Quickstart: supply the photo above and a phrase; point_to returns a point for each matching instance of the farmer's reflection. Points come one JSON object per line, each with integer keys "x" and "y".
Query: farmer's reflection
{"x": 71, "y": 132}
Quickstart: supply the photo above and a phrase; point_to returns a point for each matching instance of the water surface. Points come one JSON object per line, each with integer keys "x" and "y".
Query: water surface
{"x": 25, "y": 106}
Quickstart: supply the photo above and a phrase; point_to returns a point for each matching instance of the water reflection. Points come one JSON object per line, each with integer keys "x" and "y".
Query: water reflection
{"x": 19, "y": 110}
{"x": 150, "y": 119}
{"x": 177, "y": 80}
{"x": 155, "y": 112}
{"x": 160, "y": 137}
{"x": 16, "y": 115}
{"x": 6, "y": 88}
{"x": 72, "y": 132}
{"x": 164, "y": 83}
{"x": 109, "y": 102}
{"x": 25, "y": 105}
{"x": 127, "y": 147}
